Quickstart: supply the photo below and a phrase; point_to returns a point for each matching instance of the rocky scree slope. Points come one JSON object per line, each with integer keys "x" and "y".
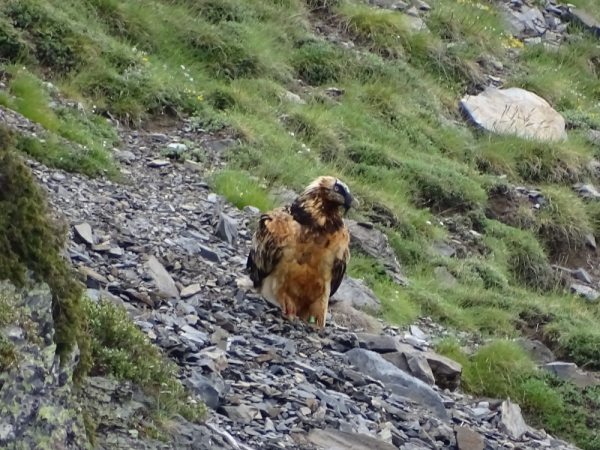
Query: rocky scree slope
{"x": 171, "y": 252}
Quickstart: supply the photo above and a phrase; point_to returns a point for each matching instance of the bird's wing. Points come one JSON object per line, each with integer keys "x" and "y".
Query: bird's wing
{"x": 274, "y": 228}
{"x": 340, "y": 262}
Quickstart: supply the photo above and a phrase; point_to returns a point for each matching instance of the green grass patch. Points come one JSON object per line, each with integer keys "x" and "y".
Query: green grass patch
{"x": 241, "y": 190}
{"x": 501, "y": 369}
{"x": 385, "y": 31}
{"x": 534, "y": 161}
{"x": 32, "y": 99}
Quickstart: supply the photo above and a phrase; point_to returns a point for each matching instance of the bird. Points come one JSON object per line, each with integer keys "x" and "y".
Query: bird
{"x": 300, "y": 252}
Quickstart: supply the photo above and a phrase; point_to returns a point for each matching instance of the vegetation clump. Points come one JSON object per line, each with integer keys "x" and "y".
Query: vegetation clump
{"x": 121, "y": 350}
{"x": 32, "y": 240}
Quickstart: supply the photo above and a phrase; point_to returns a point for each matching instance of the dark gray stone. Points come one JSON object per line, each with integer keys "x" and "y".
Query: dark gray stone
{"x": 227, "y": 229}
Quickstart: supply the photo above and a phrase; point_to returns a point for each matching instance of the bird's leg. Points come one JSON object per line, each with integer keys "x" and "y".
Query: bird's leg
{"x": 318, "y": 313}
{"x": 288, "y": 307}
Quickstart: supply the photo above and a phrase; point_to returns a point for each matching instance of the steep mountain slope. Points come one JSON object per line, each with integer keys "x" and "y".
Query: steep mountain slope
{"x": 492, "y": 231}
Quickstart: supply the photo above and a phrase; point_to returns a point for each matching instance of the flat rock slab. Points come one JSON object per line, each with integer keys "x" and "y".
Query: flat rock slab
{"x": 537, "y": 351}
{"x": 569, "y": 372}
{"x": 515, "y": 111}
{"x": 376, "y": 244}
{"x": 446, "y": 372}
{"x": 374, "y": 365}
{"x": 161, "y": 277}
{"x": 331, "y": 439}
{"x": 84, "y": 232}
{"x": 585, "y": 19}
{"x": 586, "y": 292}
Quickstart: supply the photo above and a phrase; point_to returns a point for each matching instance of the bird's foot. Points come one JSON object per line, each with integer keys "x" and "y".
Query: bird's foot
{"x": 289, "y": 312}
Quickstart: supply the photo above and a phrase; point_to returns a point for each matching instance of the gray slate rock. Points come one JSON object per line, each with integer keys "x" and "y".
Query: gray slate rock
{"x": 570, "y": 372}
{"x": 376, "y": 244}
{"x": 511, "y": 420}
{"x": 468, "y": 439}
{"x": 399, "y": 382}
{"x": 84, "y": 232}
{"x": 538, "y": 352}
{"x": 412, "y": 362}
{"x": 585, "y": 19}
{"x": 161, "y": 277}
{"x": 585, "y": 291}
{"x": 582, "y": 275}
{"x": 444, "y": 277}
{"x": 447, "y": 373}
{"x": 38, "y": 408}
{"x": 357, "y": 294}
{"x": 331, "y": 439}
{"x": 227, "y": 229}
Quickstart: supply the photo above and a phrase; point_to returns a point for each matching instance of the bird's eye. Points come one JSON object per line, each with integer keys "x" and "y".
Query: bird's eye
{"x": 337, "y": 188}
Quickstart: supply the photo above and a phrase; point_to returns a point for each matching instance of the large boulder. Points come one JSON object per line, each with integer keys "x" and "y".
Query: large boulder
{"x": 374, "y": 365}
{"x": 37, "y": 403}
{"x": 514, "y": 111}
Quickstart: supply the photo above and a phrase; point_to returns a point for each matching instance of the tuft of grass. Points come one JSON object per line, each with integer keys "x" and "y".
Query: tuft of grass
{"x": 534, "y": 161}
{"x": 32, "y": 99}
{"x": 398, "y": 308}
{"x": 385, "y": 31}
{"x": 562, "y": 223}
{"x": 521, "y": 254}
{"x": 241, "y": 190}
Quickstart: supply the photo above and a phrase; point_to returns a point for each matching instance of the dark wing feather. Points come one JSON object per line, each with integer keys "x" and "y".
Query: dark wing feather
{"x": 338, "y": 271}
{"x": 265, "y": 252}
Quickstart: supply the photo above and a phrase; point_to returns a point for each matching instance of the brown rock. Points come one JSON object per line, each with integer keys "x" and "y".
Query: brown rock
{"x": 468, "y": 439}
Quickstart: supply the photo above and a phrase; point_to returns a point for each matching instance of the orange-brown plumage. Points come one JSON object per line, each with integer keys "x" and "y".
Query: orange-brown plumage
{"x": 299, "y": 252}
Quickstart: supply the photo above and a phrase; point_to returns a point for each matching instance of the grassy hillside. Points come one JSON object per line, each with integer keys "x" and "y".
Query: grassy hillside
{"x": 391, "y": 130}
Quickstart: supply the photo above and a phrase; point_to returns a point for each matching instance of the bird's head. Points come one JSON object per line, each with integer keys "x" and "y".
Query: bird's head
{"x": 332, "y": 191}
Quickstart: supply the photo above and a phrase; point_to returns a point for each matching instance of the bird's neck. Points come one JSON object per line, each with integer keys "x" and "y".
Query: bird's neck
{"x": 314, "y": 212}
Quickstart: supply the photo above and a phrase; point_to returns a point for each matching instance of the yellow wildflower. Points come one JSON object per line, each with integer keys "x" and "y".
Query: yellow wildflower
{"x": 200, "y": 98}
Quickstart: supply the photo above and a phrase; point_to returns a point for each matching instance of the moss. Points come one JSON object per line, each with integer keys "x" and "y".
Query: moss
{"x": 30, "y": 239}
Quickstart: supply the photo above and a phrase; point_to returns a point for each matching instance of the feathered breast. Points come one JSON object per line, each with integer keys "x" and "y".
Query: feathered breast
{"x": 307, "y": 222}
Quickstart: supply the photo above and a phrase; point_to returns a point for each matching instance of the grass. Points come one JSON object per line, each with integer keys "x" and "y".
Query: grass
{"x": 241, "y": 190}
{"x": 28, "y": 96}
{"x": 393, "y": 134}
{"x": 33, "y": 241}
{"x": 501, "y": 369}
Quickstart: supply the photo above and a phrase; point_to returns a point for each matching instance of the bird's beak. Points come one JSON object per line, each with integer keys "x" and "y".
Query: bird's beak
{"x": 351, "y": 202}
